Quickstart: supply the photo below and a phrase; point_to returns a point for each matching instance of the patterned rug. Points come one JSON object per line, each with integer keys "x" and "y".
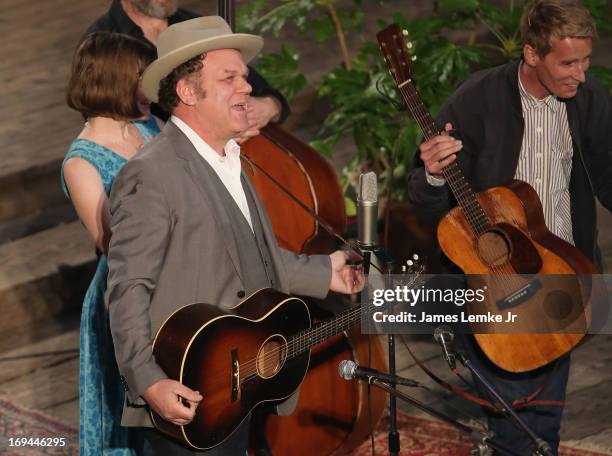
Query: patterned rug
{"x": 42, "y": 434}
{"x": 426, "y": 437}
{"x": 434, "y": 438}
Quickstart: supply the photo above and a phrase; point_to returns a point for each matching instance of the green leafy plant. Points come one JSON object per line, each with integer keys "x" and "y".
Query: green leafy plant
{"x": 460, "y": 36}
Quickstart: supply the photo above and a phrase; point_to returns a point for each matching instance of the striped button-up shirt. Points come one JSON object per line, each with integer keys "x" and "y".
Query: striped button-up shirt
{"x": 545, "y": 160}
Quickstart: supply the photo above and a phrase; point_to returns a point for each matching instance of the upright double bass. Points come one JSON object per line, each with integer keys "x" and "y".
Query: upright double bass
{"x": 331, "y": 416}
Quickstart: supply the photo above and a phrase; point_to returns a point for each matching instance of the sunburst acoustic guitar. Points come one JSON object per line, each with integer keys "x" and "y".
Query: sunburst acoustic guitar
{"x": 500, "y": 236}
{"x": 257, "y": 352}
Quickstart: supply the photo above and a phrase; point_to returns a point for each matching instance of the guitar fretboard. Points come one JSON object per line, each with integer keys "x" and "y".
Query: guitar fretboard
{"x": 307, "y": 339}
{"x": 393, "y": 47}
{"x": 452, "y": 173}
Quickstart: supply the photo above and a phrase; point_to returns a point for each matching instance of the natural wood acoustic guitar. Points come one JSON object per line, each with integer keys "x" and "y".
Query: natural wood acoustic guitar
{"x": 499, "y": 239}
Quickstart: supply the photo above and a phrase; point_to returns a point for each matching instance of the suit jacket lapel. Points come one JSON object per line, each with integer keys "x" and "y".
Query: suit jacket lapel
{"x": 267, "y": 230}
{"x": 208, "y": 184}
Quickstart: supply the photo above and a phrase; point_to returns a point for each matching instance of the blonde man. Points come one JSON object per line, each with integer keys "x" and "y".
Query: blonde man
{"x": 542, "y": 120}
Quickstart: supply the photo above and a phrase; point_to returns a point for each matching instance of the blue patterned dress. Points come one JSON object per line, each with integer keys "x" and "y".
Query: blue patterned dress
{"x": 101, "y": 395}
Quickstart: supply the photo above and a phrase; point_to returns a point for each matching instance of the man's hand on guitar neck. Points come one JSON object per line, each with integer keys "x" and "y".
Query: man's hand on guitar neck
{"x": 173, "y": 401}
{"x": 439, "y": 151}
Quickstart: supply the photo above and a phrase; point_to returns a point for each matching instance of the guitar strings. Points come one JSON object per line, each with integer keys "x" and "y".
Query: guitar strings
{"x": 306, "y": 339}
{"x": 309, "y": 338}
{"x": 397, "y": 61}
{"x": 504, "y": 278}
{"x": 299, "y": 343}
{"x": 473, "y": 211}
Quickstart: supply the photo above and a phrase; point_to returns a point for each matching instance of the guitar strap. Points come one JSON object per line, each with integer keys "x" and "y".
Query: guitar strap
{"x": 527, "y": 401}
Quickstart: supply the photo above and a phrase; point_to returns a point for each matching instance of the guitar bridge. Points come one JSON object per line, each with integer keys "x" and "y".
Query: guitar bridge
{"x": 519, "y": 296}
{"x": 235, "y": 376}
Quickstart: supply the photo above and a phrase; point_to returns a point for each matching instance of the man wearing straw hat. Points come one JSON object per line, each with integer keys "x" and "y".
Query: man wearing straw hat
{"x": 187, "y": 225}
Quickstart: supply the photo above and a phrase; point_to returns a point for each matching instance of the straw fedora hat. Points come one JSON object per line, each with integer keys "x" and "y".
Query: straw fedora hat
{"x": 185, "y": 40}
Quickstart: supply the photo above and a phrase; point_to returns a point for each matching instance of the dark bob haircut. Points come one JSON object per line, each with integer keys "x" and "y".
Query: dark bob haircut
{"x": 105, "y": 74}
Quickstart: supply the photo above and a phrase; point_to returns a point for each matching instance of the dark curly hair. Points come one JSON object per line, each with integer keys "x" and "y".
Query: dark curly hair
{"x": 191, "y": 69}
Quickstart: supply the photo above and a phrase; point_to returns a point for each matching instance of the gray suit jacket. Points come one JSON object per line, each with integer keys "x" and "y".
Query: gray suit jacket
{"x": 172, "y": 245}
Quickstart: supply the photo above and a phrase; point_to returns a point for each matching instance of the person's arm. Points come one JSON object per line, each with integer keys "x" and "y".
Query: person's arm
{"x": 89, "y": 199}
{"x": 141, "y": 230}
{"x": 308, "y": 275}
{"x": 316, "y": 275}
{"x": 426, "y": 188}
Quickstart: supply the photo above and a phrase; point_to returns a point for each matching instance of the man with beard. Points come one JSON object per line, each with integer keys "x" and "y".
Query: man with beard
{"x": 146, "y": 19}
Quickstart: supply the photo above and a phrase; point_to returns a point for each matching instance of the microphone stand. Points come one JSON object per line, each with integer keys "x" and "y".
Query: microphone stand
{"x": 394, "y": 441}
{"x": 481, "y": 439}
{"x": 542, "y": 448}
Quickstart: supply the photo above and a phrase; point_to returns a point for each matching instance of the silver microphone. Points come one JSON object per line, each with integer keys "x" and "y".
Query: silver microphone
{"x": 444, "y": 336}
{"x": 367, "y": 211}
{"x": 346, "y": 369}
{"x": 349, "y": 370}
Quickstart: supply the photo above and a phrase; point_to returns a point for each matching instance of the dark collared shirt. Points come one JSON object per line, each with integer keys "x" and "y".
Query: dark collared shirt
{"x": 116, "y": 20}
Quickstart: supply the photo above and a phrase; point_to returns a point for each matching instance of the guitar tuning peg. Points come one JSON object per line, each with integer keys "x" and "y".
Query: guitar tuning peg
{"x": 404, "y": 268}
{"x": 409, "y": 263}
{"x": 409, "y": 45}
{"x": 405, "y": 32}
{"x": 414, "y": 57}
{"x": 415, "y": 257}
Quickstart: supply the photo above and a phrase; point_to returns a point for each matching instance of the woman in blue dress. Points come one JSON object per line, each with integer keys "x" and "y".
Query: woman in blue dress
{"x": 104, "y": 87}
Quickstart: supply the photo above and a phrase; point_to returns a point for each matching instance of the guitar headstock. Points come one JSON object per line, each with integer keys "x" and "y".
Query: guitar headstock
{"x": 413, "y": 266}
{"x": 411, "y": 272}
{"x": 394, "y": 48}
{"x": 395, "y": 51}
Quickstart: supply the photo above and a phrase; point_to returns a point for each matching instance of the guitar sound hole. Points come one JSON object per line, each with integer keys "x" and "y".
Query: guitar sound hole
{"x": 494, "y": 248}
{"x": 271, "y": 356}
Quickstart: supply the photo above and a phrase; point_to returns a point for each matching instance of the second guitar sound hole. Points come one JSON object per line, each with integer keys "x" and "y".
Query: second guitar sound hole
{"x": 494, "y": 248}
{"x": 558, "y": 305}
